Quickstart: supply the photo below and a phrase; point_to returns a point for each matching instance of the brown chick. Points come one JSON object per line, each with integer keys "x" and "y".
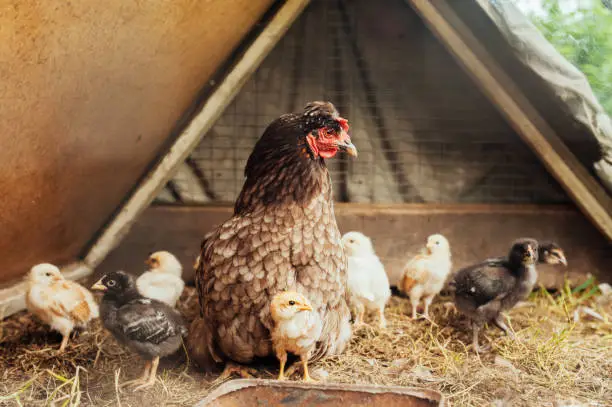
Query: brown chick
{"x": 60, "y": 303}
{"x": 424, "y": 276}
{"x": 296, "y": 329}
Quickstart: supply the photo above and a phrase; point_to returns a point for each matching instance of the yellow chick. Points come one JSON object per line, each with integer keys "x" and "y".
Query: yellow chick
{"x": 163, "y": 282}
{"x": 424, "y": 276}
{"x": 60, "y": 303}
{"x": 297, "y": 327}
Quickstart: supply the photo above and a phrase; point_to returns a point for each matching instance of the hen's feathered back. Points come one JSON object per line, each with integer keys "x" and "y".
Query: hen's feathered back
{"x": 283, "y": 236}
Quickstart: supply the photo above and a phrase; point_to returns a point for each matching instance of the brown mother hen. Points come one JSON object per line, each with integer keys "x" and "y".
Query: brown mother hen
{"x": 283, "y": 236}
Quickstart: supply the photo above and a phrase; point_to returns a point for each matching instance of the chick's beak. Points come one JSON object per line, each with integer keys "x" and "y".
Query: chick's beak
{"x": 98, "y": 286}
{"x": 562, "y": 259}
{"x": 530, "y": 253}
{"x": 305, "y": 307}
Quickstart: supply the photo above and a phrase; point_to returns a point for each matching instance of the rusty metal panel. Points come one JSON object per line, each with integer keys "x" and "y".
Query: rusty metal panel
{"x": 285, "y": 393}
{"x": 89, "y": 92}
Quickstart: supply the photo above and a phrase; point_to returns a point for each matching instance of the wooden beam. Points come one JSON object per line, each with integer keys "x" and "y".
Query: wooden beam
{"x": 590, "y": 197}
{"x": 12, "y": 299}
{"x": 199, "y": 126}
{"x": 398, "y": 231}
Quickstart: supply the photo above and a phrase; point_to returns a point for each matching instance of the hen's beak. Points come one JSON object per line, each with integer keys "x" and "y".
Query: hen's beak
{"x": 99, "y": 286}
{"x": 348, "y": 147}
{"x": 305, "y": 307}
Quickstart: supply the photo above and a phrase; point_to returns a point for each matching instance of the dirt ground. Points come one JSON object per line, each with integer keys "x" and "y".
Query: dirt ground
{"x": 556, "y": 360}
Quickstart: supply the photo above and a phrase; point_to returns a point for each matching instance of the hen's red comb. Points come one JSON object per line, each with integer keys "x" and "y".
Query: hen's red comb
{"x": 343, "y": 123}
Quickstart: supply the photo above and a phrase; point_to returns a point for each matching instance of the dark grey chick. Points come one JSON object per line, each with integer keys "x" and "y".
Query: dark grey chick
{"x": 484, "y": 290}
{"x": 551, "y": 253}
{"x": 148, "y": 327}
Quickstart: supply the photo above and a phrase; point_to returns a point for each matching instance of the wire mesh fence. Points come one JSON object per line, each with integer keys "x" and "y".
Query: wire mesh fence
{"x": 424, "y": 131}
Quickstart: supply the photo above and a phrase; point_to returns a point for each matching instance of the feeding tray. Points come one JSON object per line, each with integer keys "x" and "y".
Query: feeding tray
{"x": 259, "y": 392}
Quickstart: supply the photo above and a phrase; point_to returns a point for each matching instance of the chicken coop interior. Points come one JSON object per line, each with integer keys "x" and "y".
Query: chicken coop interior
{"x": 467, "y": 124}
{"x": 429, "y": 141}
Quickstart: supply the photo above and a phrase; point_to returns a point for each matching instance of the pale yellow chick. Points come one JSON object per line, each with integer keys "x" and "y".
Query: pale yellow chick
{"x": 367, "y": 280}
{"x": 163, "y": 282}
{"x": 424, "y": 276}
{"x": 297, "y": 328}
{"x": 60, "y": 303}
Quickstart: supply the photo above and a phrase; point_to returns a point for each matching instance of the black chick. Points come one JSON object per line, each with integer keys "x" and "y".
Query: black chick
{"x": 149, "y": 327}
{"x": 551, "y": 253}
{"x": 484, "y": 290}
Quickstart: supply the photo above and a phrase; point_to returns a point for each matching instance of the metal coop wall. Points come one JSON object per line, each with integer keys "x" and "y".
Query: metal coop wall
{"x": 424, "y": 131}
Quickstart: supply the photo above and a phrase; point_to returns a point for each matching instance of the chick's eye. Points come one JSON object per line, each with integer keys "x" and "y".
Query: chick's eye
{"x": 291, "y": 302}
{"x": 48, "y": 274}
{"x": 111, "y": 283}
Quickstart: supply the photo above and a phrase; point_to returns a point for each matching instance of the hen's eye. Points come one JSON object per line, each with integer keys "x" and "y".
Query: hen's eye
{"x": 111, "y": 283}
{"x": 291, "y": 302}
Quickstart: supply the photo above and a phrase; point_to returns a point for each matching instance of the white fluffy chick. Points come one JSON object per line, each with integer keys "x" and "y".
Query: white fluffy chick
{"x": 60, "y": 303}
{"x": 297, "y": 328}
{"x": 368, "y": 283}
{"x": 163, "y": 282}
{"x": 424, "y": 276}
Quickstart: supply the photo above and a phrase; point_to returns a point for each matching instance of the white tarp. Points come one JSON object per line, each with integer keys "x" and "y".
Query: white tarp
{"x": 566, "y": 81}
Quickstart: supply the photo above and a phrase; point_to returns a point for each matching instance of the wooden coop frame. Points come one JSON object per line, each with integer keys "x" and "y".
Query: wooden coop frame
{"x": 461, "y": 43}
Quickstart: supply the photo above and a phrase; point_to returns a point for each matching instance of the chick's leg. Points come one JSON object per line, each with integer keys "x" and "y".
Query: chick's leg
{"x": 428, "y": 300}
{"x": 64, "y": 343}
{"x": 307, "y": 377}
{"x": 414, "y": 300}
{"x": 382, "y": 322}
{"x": 360, "y": 313}
{"x": 475, "y": 332}
{"x": 499, "y": 321}
{"x": 152, "y": 375}
{"x": 282, "y": 357}
{"x": 142, "y": 379}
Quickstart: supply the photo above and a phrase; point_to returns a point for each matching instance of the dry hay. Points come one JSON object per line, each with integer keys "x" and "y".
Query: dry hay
{"x": 554, "y": 359}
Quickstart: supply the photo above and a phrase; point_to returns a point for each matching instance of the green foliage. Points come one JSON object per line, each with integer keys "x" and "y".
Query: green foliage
{"x": 584, "y": 37}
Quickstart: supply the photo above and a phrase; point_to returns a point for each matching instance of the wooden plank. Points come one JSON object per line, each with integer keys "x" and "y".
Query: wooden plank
{"x": 12, "y": 298}
{"x": 190, "y": 137}
{"x": 514, "y": 105}
{"x": 398, "y": 231}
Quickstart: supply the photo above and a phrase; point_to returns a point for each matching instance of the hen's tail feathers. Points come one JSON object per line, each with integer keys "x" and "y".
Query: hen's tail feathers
{"x": 200, "y": 346}
{"x": 336, "y": 332}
